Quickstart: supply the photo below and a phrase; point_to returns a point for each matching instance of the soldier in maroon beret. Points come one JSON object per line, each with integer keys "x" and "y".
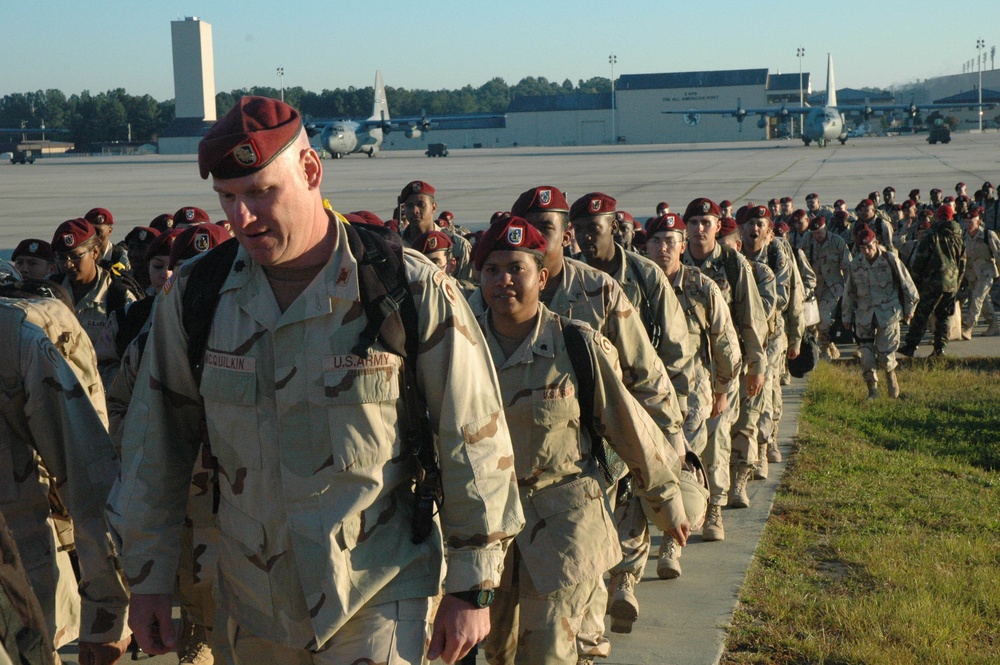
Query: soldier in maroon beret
{"x": 136, "y": 242}
{"x": 625, "y": 232}
{"x": 114, "y": 258}
{"x": 726, "y": 207}
{"x": 194, "y": 241}
{"x": 162, "y": 222}
{"x": 662, "y": 208}
{"x": 34, "y": 259}
{"x": 436, "y": 246}
{"x": 418, "y": 206}
{"x": 190, "y": 216}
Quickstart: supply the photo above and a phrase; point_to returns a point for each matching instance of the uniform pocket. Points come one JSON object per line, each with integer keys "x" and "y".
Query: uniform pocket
{"x": 361, "y": 410}
{"x": 243, "y": 559}
{"x": 230, "y": 398}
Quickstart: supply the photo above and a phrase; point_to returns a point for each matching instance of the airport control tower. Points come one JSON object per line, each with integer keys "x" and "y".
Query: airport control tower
{"x": 194, "y": 86}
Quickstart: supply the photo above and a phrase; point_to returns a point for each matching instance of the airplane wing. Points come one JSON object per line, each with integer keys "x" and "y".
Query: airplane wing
{"x": 911, "y": 108}
{"x": 426, "y": 123}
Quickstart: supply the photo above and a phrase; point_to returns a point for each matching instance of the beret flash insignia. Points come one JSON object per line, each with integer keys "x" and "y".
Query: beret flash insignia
{"x": 201, "y": 241}
{"x": 189, "y": 214}
{"x": 68, "y": 239}
{"x": 416, "y": 187}
{"x": 33, "y": 247}
{"x": 544, "y": 196}
{"x": 246, "y": 154}
{"x": 706, "y": 206}
{"x": 595, "y": 205}
{"x": 515, "y": 236}
{"x": 432, "y": 243}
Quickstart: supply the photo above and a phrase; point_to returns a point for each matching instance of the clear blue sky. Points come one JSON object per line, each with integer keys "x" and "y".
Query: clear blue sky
{"x": 77, "y": 45}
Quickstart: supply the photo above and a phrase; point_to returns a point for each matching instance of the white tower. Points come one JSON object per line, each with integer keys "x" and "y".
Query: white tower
{"x": 194, "y": 69}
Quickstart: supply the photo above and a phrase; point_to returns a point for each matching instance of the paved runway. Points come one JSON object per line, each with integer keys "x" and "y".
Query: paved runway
{"x": 683, "y": 621}
{"x": 474, "y": 183}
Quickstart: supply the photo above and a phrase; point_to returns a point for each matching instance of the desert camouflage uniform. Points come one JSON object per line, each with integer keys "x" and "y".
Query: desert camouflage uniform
{"x": 552, "y": 590}
{"x": 316, "y": 501}
{"x": 23, "y": 637}
{"x": 829, "y": 259}
{"x": 881, "y": 226}
{"x": 871, "y": 297}
{"x": 595, "y": 298}
{"x": 461, "y": 249}
{"x": 982, "y": 253}
{"x": 54, "y": 434}
{"x": 717, "y": 365}
{"x": 750, "y": 320}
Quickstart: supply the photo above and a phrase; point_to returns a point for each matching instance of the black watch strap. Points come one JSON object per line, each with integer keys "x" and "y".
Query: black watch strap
{"x": 480, "y": 599}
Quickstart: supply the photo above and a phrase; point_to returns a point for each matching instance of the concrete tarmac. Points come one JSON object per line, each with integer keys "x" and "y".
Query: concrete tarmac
{"x": 681, "y": 621}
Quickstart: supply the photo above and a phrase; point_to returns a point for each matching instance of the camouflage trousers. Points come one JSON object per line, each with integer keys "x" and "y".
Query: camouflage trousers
{"x": 773, "y": 402}
{"x": 878, "y": 345}
{"x": 393, "y": 633}
{"x": 718, "y": 446}
{"x": 199, "y": 551}
{"x": 979, "y": 301}
{"x": 555, "y": 629}
{"x": 633, "y": 536}
{"x": 942, "y": 306}
{"x": 744, "y": 430}
{"x": 827, "y": 309}
{"x": 699, "y": 408}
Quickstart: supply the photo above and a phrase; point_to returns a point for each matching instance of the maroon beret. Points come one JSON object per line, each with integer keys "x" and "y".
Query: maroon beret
{"x": 727, "y": 227}
{"x": 948, "y": 199}
{"x": 987, "y": 185}
{"x": 369, "y": 218}
{"x": 799, "y": 214}
{"x": 945, "y": 212}
{"x": 594, "y": 203}
{"x": 813, "y": 195}
{"x": 864, "y": 235}
{"x": 431, "y": 241}
{"x": 99, "y": 216}
{"x": 34, "y": 247}
{"x": 141, "y": 234}
{"x": 499, "y": 216}
{"x": 817, "y": 222}
{"x": 786, "y": 199}
{"x": 191, "y": 215}
{"x": 248, "y": 137}
{"x": 906, "y": 205}
{"x": 726, "y": 203}
{"x": 874, "y": 196}
{"x": 839, "y": 202}
{"x": 623, "y": 217}
{"x": 842, "y": 215}
{"x": 662, "y": 205}
{"x": 914, "y": 192}
{"x": 700, "y": 207}
{"x": 393, "y": 224}
{"x": 888, "y": 190}
{"x": 513, "y": 233}
{"x": 540, "y": 199}
{"x": 445, "y": 218}
{"x": 963, "y": 198}
{"x": 162, "y": 243}
{"x": 640, "y": 238}
{"x": 772, "y": 202}
{"x": 935, "y": 190}
{"x": 864, "y": 203}
{"x": 71, "y": 234}
{"x": 196, "y": 240}
{"x": 925, "y": 222}
{"x": 896, "y": 208}
{"x": 959, "y": 185}
{"x": 758, "y": 212}
{"x": 416, "y": 187}
{"x": 781, "y": 229}
{"x": 974, "y": 211}
{"x": 162, "y": 223}
{"x": 224, "y": 223}
{"x": 741, "y": 214}
{"x": 669, "y": 221}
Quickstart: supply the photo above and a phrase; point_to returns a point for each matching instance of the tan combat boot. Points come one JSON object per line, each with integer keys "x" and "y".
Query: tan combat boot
{"x": 872, "y": 390}
{"x": 760, "y": 471}
{"x": 740, "y": 474}
{"x": 713, "y": 529}
{"x": 773, "y": 453}
{"x": 892, "y": 382}
{"x": 198, "y": 650}
{"x": 966, "y": 333}
{"x": 624, "y": 606}
{"x": 994, "y": 329}
{"x": 668, "y": 562}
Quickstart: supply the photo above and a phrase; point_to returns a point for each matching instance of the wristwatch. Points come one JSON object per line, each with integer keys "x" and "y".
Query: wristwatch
{"x": 480, "y": 599}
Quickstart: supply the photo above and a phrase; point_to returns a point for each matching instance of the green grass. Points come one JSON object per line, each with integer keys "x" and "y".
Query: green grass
{"x": 884, "y": 541}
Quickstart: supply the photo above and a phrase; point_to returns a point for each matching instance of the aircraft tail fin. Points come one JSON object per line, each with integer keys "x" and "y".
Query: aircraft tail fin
{"x": 831, "y": 88}
{"x": 380, "y": 108}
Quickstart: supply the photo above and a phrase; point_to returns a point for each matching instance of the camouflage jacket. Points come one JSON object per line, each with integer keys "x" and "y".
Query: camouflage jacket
{"x": 829, "y": 259}
{"x": 569, "y": 534}
{"x": 316, "y": 501}
{"x": 54, "y": 410}
{"x": 744, "y": 302}
{"x": 982, "y": 253}
{"x": 648, "y": 291}
{"x": 461, "y": 249}
{"x": 595, "y": 298}
{"x": 710, "y": 326}
{"x": 92, "y": 309}
{"x": 873, "y": 290}
{"x": 938, "y": 260}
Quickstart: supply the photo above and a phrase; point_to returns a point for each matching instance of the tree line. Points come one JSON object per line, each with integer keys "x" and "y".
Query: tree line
{"x": 115, "y": 115}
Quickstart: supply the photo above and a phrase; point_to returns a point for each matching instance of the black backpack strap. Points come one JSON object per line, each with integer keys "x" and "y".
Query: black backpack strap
{"x": 130, "y": 322}
{"x": 653, "y": 329}
{"x": 201, "y": 296}
{"x": 731, "y": 262}
{"x": 611, "y": 465}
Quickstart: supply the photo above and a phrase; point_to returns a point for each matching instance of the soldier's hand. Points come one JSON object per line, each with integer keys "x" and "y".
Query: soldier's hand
{"x": 719, "y": 403}
{"x": 102, "y": 653}
{"x": 793, "y": 352}
{"x": 458, "y": 626}
{"x": 755, "y": 384}
{"x": 149, "y": 619}
{"x": 681, "y": 533}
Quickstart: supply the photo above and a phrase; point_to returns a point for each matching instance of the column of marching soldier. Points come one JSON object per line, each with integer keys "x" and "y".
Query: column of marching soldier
{"x": 639, "y": 368}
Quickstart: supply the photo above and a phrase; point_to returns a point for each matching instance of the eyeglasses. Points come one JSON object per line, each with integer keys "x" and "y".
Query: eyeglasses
{"x": 71, "y": 258}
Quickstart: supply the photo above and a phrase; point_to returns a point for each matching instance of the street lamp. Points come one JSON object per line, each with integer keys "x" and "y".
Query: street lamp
{"x": 614, "y": 132}
{"x": 281, "y": 81}
{"x": 800, "y": 53}
{"x": 980, "y": 44}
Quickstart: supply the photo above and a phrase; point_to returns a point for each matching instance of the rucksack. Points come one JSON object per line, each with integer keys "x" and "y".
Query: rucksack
{"x": 121, "y": 286}
{"x": 653, "y": 329}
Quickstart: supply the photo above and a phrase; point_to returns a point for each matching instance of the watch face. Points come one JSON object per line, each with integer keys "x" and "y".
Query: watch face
{"x": 485, "y": 598}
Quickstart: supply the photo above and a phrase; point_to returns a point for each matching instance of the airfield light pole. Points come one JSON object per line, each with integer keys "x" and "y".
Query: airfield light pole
{"x": 980, "y": 44}
{"x": 614, "y": 132}
{"x": 281, "y": 81}
{"x": 800, "y": 53}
